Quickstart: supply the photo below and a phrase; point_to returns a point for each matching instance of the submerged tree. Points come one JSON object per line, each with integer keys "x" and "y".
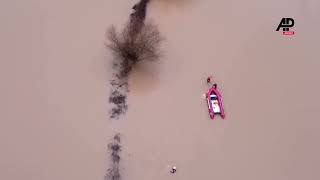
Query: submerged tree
{"x": 113, "y": 173}
{"x": 138, "y": 41}
{"x": 131, "y": 47}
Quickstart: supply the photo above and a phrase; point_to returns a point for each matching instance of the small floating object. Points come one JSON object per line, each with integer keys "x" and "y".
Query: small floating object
{"x": 215, "y": 103}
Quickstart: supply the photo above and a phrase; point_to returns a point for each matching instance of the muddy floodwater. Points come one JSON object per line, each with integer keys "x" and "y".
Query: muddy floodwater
{"x": 55, "y": 76}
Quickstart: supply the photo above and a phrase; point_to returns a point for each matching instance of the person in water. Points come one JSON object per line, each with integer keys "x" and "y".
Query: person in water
{"x": 173, "y": 170}
{"x": 209, "y": 79}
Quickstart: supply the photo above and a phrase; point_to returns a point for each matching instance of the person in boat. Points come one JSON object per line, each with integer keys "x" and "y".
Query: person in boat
{"x": 214, "y": 85}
